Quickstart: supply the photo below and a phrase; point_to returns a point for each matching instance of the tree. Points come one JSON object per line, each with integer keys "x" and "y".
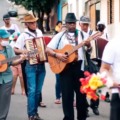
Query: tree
{"x": 40, "y": 7}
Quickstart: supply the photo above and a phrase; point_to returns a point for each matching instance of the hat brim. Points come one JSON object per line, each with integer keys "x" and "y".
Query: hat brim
{"x": 70, "y": 21}
{"x": 6, "y": 36}
{"x": 85, "y": 22}
{"x": 27, "y": 21}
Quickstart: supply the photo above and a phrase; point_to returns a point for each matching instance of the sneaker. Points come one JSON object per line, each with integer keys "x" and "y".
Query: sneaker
{"x": 37, "y": 117}
{"x": 95, "y": 111}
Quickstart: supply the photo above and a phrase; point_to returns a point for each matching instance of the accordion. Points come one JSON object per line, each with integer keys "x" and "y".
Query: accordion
{"x": 39, "y": 45}
{"x": 98, "y": 48}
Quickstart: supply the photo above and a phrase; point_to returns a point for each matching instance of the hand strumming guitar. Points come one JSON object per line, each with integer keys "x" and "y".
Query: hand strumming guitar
{"x": 20, "y": 60}
{"x": 61, "y": 56}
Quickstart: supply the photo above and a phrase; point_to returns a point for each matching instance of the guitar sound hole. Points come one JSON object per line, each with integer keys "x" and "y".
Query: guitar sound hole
{"x": 66, "y": 53}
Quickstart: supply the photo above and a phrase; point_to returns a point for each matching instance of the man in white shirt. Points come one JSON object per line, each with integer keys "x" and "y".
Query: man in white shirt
{"x": 111, "y": 65}
{"x": 35, "y": 74}
{"x": 85, "y": 33}
{"x": 11, "y": 28}
{"x": 69, "y": 77}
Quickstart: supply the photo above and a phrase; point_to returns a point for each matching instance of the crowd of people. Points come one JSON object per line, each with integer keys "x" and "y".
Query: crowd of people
{"x": 67, "y": 85}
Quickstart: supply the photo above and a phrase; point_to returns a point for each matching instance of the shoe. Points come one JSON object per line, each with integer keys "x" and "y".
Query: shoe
{"x": 107, "y": 100}
{"x": 37, "y": 117}
{"x": 42, "y": 104}
{"x": 95, "y": 111}
{"x": 57, "y": 101}
{"x": 31, "y": 118}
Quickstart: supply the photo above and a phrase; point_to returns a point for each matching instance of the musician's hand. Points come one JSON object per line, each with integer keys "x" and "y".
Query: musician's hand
{"x": 23, "y": 56}
{"x": 25, "y": 51}
{"x": 61, "y": 57}
{"x": 87, "y": 43}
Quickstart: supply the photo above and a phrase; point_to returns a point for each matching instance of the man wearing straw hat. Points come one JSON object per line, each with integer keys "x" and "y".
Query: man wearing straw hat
{"x": 35, "y": 74}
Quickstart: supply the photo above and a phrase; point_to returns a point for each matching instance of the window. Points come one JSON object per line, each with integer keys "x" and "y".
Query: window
{"x": 110, "y": 8}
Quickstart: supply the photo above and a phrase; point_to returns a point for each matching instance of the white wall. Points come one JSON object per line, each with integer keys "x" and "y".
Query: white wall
{"x": 76, "y": 6}
{"x": 112, "y": 29}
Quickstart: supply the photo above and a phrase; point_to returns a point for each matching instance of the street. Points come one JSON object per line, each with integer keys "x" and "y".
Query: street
{"x": 18, "y": 107}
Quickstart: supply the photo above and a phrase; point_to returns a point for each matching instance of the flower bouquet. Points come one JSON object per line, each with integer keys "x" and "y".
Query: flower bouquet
{"x": 94, "y": 85}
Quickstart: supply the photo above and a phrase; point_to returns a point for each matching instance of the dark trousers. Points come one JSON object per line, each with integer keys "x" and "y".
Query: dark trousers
{"x": 94, "y": 103}
{"x": 70, "y": 83}
{"x": 57, "y": 87}
{"x": 40, "y": 98}
{"x": 115, "y": 107}
{"x": 5, "y": 98}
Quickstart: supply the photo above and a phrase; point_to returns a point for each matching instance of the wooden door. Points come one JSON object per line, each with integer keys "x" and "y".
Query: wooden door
{"x": 93, "y": 17}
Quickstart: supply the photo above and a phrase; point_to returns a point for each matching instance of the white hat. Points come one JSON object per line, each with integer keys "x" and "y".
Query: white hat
{"x": 101, "y": 23}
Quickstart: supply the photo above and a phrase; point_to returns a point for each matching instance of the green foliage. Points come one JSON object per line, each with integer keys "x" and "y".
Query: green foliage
{"x": 38, "y": 6}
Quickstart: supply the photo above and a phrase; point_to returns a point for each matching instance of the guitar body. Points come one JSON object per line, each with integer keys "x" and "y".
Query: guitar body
{"x": 56, "y": 65}
{"x": 3, "y": 67}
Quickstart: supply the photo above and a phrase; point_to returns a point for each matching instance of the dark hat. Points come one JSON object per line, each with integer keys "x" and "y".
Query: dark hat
{"x": 84, "y": 19}
{"x": 6, "y": 16}
{"x": 4, "y": 34}
{"x": 70, "y": 17}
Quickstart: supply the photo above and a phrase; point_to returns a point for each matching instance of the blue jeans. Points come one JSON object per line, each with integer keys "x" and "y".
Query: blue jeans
{"x": 35, "y": 75}
{"x": 57, "y": 87}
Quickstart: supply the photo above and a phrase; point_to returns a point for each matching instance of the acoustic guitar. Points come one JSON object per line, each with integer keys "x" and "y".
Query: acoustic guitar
{"x": 4, "y": 61}
{"x": 56, "y": 65}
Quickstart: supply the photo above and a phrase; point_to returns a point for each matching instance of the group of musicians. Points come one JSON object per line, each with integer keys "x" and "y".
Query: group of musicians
{"x": 69, "y": 77}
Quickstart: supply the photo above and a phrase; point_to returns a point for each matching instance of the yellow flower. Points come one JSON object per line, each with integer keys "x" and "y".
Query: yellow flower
{"x": 95, "y": 82}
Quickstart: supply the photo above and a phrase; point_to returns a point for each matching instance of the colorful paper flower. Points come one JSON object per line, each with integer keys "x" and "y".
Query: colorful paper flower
{"x": 91, "y": 84}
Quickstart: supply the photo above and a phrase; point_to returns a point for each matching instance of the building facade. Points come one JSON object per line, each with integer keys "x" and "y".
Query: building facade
{"x": 107, "y": 11}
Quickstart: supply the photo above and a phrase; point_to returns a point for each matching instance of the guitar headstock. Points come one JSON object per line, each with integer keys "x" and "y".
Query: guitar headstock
{"x": 95, "y": 36}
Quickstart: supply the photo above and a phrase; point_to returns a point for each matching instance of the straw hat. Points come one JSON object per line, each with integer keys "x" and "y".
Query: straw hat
{"x": 29, "y": 18}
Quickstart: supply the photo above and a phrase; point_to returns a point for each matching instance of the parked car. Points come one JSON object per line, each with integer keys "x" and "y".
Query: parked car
{"x": 12, "y": 12}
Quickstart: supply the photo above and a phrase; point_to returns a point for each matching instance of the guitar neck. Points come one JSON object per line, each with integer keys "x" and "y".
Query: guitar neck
{"x": 10, "y": 59}
{"x": 75, "y": 48}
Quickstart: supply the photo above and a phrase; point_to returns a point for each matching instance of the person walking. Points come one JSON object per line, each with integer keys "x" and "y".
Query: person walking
{"x": 85, "y": 33}
{"x": 35, "y": 74}
{"x": 101, "y": 27}
{"x": 6, "y": 76}
{"x": 58, "y": 29}
{"x": 10, "y": 27}
{"x": 69, "y": 77}
{"x": 17, "y": 70}
{"x": 111, "y": 68}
